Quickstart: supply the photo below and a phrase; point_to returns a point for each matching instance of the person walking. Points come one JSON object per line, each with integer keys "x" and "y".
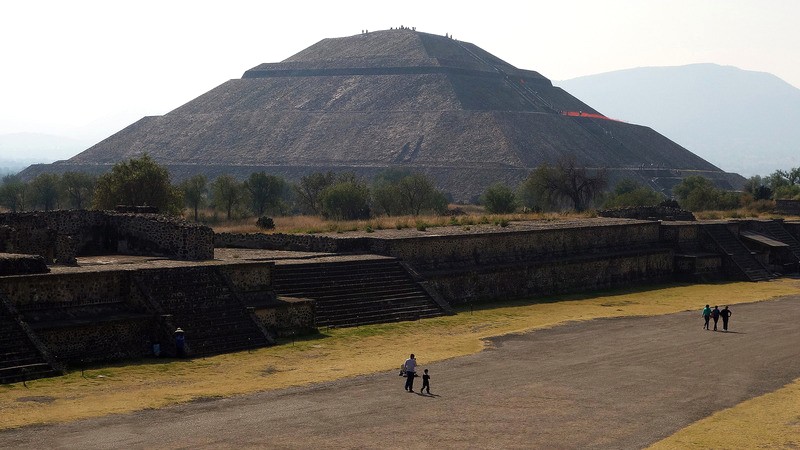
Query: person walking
{"x": 715, "y": 316}
{"x": 726, "y": 314}
{"x": 706, "y": 316}
{"x": 410, "y": 367}
{"x": 426, "y": 382}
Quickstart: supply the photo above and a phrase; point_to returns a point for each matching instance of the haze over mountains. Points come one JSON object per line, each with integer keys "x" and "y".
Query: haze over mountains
{"x": 51, "y": 143}
{"x": 741, "y": 121}
{"x": 19, "y": 150}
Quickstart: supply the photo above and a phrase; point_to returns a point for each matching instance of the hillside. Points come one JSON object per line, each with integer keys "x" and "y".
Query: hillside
{"x": 742, "y": 121}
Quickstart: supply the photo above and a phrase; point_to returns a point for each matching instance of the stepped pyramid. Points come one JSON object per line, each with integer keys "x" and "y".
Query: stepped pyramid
{"x": 394, "y": 98}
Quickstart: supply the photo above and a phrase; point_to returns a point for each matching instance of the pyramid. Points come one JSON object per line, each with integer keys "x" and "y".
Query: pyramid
{"x": 393, "y": 99}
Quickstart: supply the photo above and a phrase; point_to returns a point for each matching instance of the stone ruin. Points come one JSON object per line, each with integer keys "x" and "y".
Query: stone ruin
{"x": 658, "y": 212}
{"x": 66, "y": 315}
{"x": 61, "y": 236}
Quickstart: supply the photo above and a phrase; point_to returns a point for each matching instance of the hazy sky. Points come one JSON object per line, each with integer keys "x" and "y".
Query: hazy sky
{"x": 77, "y": 66}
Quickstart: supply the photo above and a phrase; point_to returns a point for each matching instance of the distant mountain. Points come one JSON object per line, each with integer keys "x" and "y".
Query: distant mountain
{"x": 741, "y": 121}
{"x": 19, "y": 150}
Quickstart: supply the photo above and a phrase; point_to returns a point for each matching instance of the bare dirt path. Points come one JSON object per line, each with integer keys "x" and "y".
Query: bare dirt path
{"x": 609, "y": 383}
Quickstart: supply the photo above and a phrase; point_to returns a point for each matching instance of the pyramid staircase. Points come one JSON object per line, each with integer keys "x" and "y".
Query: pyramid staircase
{"x": 592, "y": 126}
{"x": 736, "y": 252}
{"x": 776, "y": 231}
{"x": 21, "y": 356}
{"x": 357, "y": 292}
{"x": 530, "y": 96}
{"x": 202, "y": 303}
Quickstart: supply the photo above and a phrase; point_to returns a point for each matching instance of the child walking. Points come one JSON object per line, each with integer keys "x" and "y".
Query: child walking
{"x": 426, "y": 382}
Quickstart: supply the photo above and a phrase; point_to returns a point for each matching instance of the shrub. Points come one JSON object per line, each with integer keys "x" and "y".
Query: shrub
{"x": 265, "y": 223}
{"x": 499, "y": 199}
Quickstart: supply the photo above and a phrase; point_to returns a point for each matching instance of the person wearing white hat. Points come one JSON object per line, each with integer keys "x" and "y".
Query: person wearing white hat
{"x": 180, "y": 343}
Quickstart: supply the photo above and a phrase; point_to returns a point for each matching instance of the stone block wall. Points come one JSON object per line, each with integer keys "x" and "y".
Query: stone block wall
{"x": 87, "y": 316}
{"x": 443, "y": 252}
{"x": 292, "y": 242}
{"x": 156, "y": 234}
{"x": 83, "y": 317}
{"x": 554, "y": 277}
{"x": 288, "y": 317}
{"x": 16, "y": 264}
{"x": 684, "y": 237}
{"x": 460, "y": 249}
{"x": 251, "y": 281}
{"x": 788, "y": 207}
{"x": 648, "y": 213}
{"x": 705, "y": 267}
{"x": 61, "y": 236}
{"x": 34, "y": 292}
{"x": 100, "y": 341}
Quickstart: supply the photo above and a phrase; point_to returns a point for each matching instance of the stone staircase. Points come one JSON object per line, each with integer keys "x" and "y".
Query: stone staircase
{"x": 356, "y": 292}
{"x": 20, "y": 357}
{"x": 736, "y": 252}
{"x": 776, "y": 231}
{"x": 201, "y": 302}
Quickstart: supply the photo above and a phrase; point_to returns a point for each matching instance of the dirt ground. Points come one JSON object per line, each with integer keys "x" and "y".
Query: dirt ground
{"x": 607, "y": 383}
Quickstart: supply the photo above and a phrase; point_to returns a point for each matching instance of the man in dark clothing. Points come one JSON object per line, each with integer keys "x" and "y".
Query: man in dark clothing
{"x": 726, "y": 314}
{"x": 715, "y": 316}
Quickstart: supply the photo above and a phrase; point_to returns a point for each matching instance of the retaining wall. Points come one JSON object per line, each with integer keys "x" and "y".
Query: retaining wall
{"x": 61, "y": 236}
{"x": 17, "y": 264}
{"x": 441, "y": 252}
{"x": 565, "y": 275}
{"x": 88, "y": 316}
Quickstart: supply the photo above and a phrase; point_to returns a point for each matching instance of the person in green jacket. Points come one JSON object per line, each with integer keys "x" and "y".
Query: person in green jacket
{"x": 706, "y": 316}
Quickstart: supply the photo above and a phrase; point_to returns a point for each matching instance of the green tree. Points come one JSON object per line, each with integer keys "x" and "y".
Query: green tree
{"x": 789, "y": 177}
{"x": 418, "y": 194}
{"x": 227, "y": 193}
{"x": 309, "y": 191}
{"x": 400, "y": 192}
{"x": 548, "y": 186}
{"x": 499, "y": 199}
{"x": 79, "y": 188}
{"x": 697, "y": 193}
{"x": 630, "y": 193}
{"x": 138, "y": 182}
{"x": 785, "y": 184}
{"x": 14, "y": 193}
{"x": 45, "y": 191}
{"x": 346, "y": 200}
{"x": 758, "y": 187}
{"x": 266, "y": 193}
{"x": 194, "y": 191}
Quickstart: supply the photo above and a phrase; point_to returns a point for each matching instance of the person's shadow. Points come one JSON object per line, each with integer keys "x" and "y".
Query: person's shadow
{"x": 422, "y": 394}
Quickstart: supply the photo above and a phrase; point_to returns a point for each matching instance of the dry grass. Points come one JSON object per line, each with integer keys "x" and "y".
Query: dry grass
{"x": 342, "y": 353}
{"x": 302, "y": 224}
{"x": 769, "y": 421}
{"x": 315, "y": 224}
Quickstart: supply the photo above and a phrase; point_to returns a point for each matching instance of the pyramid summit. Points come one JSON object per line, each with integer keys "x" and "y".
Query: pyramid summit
{"x": 393, "y": 99}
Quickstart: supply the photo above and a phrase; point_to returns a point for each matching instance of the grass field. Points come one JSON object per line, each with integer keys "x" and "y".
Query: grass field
{"x": 348, "y": 352}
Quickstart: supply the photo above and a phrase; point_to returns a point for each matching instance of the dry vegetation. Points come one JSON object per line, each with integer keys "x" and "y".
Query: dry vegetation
{"x": 315, "y": 224}
{"x": 472, "y": 215}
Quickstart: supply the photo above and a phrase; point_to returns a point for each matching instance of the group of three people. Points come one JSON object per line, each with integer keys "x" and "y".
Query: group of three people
{"x": 715, "y": 314}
